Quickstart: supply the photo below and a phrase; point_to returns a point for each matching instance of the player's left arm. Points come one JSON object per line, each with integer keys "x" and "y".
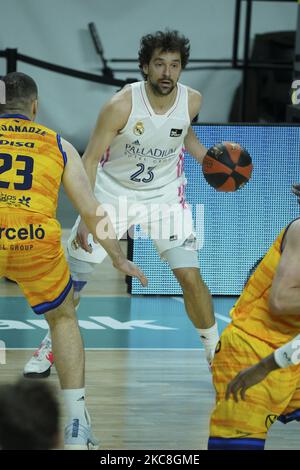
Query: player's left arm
{"x": 283, "y": 357}
{"x": 191, "y": 142}
{"x": 249, "y": 377}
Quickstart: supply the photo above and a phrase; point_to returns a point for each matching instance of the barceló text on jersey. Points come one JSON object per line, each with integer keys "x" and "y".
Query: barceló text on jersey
{"x": 18, "y": 128}
{"x": 22, "y": 233}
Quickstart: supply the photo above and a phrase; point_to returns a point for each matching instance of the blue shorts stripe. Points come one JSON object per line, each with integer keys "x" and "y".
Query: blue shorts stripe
{"x": 220, "y": 443}
{"x": 46, "y": 306}
{"x": 64, "y": 155}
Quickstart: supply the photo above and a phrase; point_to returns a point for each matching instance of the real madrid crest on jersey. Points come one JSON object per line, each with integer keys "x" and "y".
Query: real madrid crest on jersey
{"x": 138, "y": 128}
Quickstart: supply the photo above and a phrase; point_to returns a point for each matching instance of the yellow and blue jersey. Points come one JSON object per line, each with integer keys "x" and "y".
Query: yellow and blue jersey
{"x": 251, "y": 313}
{"x": 32, "y": 162}
{"x": 254, "y": 334}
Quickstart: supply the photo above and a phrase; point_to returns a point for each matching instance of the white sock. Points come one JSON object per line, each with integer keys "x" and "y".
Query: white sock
{"x": 209, "y": 338}
{"x": 75, "y": 404}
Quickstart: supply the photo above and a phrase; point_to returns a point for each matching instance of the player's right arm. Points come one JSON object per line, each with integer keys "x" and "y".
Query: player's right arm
{"x": 284, "y": 297}
{"x": 112, "y": 118}
{"x": 78, "y": 189}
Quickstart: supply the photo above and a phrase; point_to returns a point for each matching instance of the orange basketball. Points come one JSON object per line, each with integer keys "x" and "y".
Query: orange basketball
{"x": 227, "y": 166}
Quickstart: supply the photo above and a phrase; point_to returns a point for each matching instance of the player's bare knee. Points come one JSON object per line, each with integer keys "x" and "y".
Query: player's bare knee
{"x": 189, "y": 278}
{"x": 64, "y": 312}
{"x": 60, "y": 314}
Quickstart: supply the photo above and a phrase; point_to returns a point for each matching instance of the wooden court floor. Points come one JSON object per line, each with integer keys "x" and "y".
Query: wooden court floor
{"x": 149, "y": 399}
{"x": 143, "y": 399}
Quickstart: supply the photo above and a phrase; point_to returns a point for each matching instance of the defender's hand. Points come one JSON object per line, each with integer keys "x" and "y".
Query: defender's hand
{"x": 82, "y": 237}
{"x": 244, "y": 380}
{"x": 129, "y": 268}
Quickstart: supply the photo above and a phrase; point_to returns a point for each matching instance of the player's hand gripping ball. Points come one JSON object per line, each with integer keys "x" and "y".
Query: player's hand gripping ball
{"x": 227, "y": 166}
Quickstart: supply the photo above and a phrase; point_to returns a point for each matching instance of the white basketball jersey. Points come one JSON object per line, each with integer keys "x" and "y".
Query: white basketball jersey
{"x": 148, "y": 153}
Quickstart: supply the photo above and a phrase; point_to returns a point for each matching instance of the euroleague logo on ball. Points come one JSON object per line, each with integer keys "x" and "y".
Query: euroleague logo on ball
{"x": 208, "y": 164}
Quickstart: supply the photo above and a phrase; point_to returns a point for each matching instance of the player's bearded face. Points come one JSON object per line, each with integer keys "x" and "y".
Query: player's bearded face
{"x": 163, "y": 72}
{"x": 161, "y": 87}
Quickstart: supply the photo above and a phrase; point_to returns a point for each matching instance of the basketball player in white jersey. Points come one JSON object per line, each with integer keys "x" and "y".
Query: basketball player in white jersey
{"x": 141, "y": 133}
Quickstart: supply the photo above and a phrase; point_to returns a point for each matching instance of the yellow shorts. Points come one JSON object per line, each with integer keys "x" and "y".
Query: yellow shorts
{"x": 274, "y": 398}
{"x": 31, "y": 254}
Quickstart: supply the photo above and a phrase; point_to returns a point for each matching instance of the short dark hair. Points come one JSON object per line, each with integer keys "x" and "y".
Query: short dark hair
{"x": 20, "y": 91}
{"x": 29, "y": 416}
{"x": 167, "y": 41}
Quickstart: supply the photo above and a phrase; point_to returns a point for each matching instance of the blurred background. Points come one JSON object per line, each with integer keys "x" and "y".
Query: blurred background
{"x": 57, "y": 32}
{"x": 244, "y": 57}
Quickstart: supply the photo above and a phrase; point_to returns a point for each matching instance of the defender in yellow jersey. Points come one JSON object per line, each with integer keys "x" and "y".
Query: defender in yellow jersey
{"x": 32, "y": 164}
{"x": 34, "y": 161}
{"x": 264, "y": 319}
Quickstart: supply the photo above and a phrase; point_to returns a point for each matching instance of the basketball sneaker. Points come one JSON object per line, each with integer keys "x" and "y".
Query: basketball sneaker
{"x": 39, "y": 366}
{"x": 79, "y": 436}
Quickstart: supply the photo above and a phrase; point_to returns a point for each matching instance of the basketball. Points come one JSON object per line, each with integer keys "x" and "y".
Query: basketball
{"x": 227, "y": 166}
